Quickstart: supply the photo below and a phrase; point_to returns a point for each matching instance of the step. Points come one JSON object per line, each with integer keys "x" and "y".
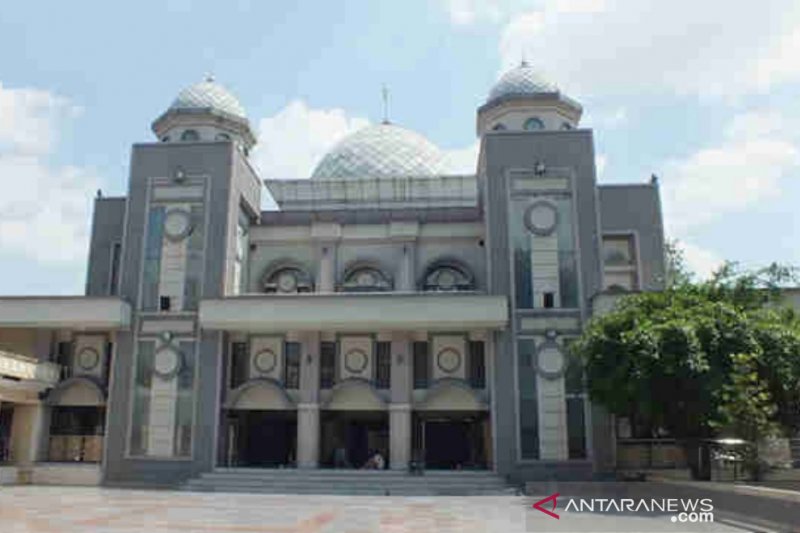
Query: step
{"x": 335, "y": 481}
{"x": 349, "y": 482}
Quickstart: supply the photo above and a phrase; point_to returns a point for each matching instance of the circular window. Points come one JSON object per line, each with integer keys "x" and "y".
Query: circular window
{"x": 365, "y": 279}
{"x": 550, "y": 361}
{"x": 446, "y": 280}
{"x": 355, "y": 361}
{"x": 541, "y": 218}
{"x": 167, "y": 363}
{"x": 88, "y": 359}
{"x": 190, "y": 135}
{"x": 448, "y": 360}
{"x": 287, "y": 282}
{"x": 177, "y": 224}
{"x": 533, "y": 124}
{"x": 265, "y": 361}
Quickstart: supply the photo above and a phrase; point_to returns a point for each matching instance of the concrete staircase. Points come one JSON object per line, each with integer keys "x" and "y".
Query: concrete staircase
{"x": 345, "y": 482}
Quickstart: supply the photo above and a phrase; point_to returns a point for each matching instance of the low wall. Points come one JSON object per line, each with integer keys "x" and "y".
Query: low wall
{"x": 649, "y": 453}
{"x": 65, "y": 474}
{"x": 8, "y": 475}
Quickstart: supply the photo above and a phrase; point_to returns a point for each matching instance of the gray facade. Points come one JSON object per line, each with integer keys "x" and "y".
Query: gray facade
{"x": 386, "y": 307}
{"x": 106, "y": 241}
{"x": 635, "y": 209}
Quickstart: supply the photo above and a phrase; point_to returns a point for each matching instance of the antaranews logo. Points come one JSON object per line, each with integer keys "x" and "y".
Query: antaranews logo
{"x": 684, "y": 510}
{"x": 554, "y": 498}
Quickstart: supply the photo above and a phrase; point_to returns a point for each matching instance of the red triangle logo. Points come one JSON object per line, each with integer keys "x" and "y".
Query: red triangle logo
{"x": 538, "y": 506}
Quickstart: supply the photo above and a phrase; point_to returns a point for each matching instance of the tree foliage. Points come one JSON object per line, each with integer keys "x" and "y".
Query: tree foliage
{"x": 700, "y": 358}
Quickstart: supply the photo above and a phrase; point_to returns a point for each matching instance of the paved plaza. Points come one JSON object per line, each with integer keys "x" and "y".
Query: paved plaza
{"x": 89, "y": 510}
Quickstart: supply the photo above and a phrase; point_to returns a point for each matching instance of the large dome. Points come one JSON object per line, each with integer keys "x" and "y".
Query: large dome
{"x": 208, "y": 94}
{"x": 380, "y": 151}
{"x": 523, "y": 80}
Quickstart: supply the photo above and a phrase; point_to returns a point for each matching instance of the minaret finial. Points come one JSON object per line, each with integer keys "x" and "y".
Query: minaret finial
{"x": 385, "y": 94}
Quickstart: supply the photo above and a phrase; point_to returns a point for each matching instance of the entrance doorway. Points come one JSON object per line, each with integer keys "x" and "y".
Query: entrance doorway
{"x": 6, "y": 420}
{"x": 350, "y": 438}
{"x": 266, "y": 439}
{"x": 452, "y": 440}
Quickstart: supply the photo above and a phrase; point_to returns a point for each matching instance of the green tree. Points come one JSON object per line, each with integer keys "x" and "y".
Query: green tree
{"x": 676, "y": 271}
{"x": 699, "y": 359}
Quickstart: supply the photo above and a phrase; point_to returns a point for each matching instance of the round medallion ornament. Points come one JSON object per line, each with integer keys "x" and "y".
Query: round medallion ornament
{"x": 448, "y": 360}
{"x": 356, "y": 361}
{"x": 287, "y": 282}
{"x": 177, "y": 224}
{"x": 446, "y": 280}
{"x": 167, "y": 363}
{"x": 365, "y": 279}
{"x": 88, "y": 359}
{"x": 550, "y": 361}
{"x": 265, "y": 361}
{"x": 541, "y": 218}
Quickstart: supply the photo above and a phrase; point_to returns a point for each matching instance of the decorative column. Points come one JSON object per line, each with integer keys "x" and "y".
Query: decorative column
{"x": 325, "y": 280}
{"x": 28, "y": 433}
{"x": 550, "y": 363}
{"x": 326, "y": 235}
{"x": 399, "y": 436}
{"x": 400, "y": 408}
{"x": 406, "y": 279}
{"x": 308, "y": 435}
{"x": 405, "y": 234}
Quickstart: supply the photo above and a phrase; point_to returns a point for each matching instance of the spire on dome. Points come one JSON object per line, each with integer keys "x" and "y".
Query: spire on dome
{"x": 385, "y": 95}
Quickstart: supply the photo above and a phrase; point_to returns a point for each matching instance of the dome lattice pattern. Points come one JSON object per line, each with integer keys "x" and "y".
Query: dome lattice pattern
{"x": 520, "y": 81}
{"x": 209, "y": 94}
{"x": 380, "y": 151}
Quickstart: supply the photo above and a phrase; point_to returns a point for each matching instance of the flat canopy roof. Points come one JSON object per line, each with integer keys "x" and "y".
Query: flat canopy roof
{"x": 73, "y": 312}
{"x": 355, "y": 312}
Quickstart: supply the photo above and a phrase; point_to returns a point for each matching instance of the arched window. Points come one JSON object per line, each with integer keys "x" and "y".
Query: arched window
{"x": 287, "y": 280}
{"x": 223, "y": 137}
{"x": 448, "y": 277}
{"x": 533, "y": 124}
{"x": 499, "y": 127}
{"x": 190, "y": 136}
{"x": 366, "y": 279}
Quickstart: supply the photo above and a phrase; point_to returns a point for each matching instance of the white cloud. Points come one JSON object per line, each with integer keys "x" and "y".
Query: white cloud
{"x": 700, "y": 261}
{"x": 745, "y": 169}
{"x": 46, "y": 214}
{"x": 45, "y": 211}
{"x": 28, "y": 119}
{"x": 713, "y": 47}
{"x": 291, "y": 142}
{"x": 462, "y": 160}
{"x": 580, "y": 6}
{"x": 468, "y": 12}
{"x": 600, "y": 162}
{"x": 755, "y": 124}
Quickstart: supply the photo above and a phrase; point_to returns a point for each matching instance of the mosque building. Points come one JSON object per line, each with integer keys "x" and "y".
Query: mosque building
{"x": 386, "y": 306}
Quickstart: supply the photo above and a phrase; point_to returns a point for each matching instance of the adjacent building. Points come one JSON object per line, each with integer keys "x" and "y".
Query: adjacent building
{"x": 384, "y": 306}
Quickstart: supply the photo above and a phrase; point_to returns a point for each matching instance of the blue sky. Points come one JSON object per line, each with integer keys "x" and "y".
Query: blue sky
{"x": 702, "y": 94}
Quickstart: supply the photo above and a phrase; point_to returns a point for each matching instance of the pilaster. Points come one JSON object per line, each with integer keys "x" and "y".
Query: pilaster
{"x": 308, "y": 435}
{"x": 399, "y": 436}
